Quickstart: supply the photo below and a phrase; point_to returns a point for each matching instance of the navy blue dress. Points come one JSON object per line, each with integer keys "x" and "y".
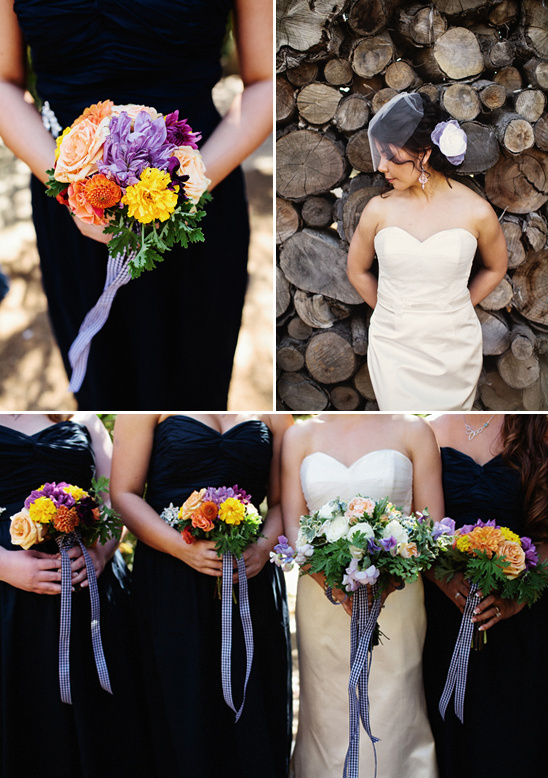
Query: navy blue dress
{"x": 186, "y": 313}
{"x": 99, "y": 734}
{"x": 179, "y": 615}
{"x": 507, "y": 686}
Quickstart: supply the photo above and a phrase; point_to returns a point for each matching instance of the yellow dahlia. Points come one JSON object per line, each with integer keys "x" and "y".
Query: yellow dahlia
{"x": 42, "y": 510}
{"x": 149, "y": 199}
{"x": 75, "y": 492}
{"x": 231, "y": 511}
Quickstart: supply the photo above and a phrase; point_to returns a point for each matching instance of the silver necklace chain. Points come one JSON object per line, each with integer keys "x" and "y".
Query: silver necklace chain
{"x": 472, "y": 432}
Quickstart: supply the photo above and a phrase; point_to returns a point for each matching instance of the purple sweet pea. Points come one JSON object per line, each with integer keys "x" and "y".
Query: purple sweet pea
{"x": 355, "y": 578}
{"x": 389, "y": 543}
{"x": 179, "y": 132}
{"x": 531, "y": 556}
{"x": 444, "y": 527}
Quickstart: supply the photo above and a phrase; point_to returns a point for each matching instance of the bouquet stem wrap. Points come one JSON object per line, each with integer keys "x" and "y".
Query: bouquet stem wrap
{"x": 226, "y": 622}
{"x": 65, "y": 542}
{"x": 117, "y": 275}
{"x": 458, "y": 669}
{"x": 362, "y": 626}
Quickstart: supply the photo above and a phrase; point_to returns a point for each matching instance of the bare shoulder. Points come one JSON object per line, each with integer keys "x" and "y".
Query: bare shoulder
{"x": 373, "y": 214}
{"x": 278, "y": 422}
{"x": 441, "y": 424}
{"x": 301, "y": 434}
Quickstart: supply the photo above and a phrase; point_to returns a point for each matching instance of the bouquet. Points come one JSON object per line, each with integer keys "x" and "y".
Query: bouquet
{"x": 492, "y": 558}
{"x": 70, "y": 516}
{"x": 226, "y": 516}
{"x": 139, "y": 175}
{"x": 355, "y": 544}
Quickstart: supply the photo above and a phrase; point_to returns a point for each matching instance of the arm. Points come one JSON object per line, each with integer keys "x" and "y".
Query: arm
{"x": 248, "y": 122}
{"x": 133, "y": 440}
{"x": 362, "y": 253}
{"x": 494, "y": 255}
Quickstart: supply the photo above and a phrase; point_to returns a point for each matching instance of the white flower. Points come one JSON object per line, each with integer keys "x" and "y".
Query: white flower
{"x": 394, "y": 529}
{"x": 364, "y": 527}
{"x": 335, "y": 529}
{"x": 453, "y": 141}
{"x": 303, "y": 553}
{"x": 326, "y": 511}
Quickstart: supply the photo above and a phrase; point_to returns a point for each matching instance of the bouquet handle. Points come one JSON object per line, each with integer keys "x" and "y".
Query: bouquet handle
{"x": 226, "y": 621}
{"x": 362, "y": 626}
{"x": 64, "y": 542}
{"x": 458, "y": 669}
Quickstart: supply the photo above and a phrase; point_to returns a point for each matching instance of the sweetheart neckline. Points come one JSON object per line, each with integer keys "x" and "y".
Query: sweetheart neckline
{"x": 440, "y": 232}
{"x": 44, "y": 429}
{"x": 369, "y": 453}
{"x": 207, "y": 426}
{"x": 464, "y": 454}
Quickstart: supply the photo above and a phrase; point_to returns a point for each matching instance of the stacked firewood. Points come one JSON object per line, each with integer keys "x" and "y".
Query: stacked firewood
{"x": 338, "y": 62}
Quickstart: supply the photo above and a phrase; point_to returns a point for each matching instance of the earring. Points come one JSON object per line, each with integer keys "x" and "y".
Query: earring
{"x": 423, "y": 178}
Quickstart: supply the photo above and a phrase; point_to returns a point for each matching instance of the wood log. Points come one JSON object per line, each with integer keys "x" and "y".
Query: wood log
{"x": 367, "y": 17}
{"x": 338, "y": 72}
{"x": 518, "y": 373}
{"x": 536, "y": 230}
{"x": 307, "y": 163}
{"x": 302, "y": 25}
{"x": 496, "y": 395}
{"x": 530, "y": 282}
{"x": 497, "y": 54}
{"x": 368, "y": 87}
{"x": 372, "y": 55}
{"x": 289, "y": 355}
{"x": 499, "y": 298}
{"x": 536, "y": 71}
{"x": 299, "y": 393}
{"x": 283, "y": 296}
{"x": 461, "y": 101}
{"x": 541, "y": 133}
{"x": 329, "y": 358}
{"x": 516, "y": 250}
{"x": 317, "y": 312}
{"x": 362, "y": 382}
{"x": 457, "y": 53}
{"x": 518, "y": 183}
{"x": 358, "y": 328}
{"x": 514, "y": 133}
{"x": 302, "y": 75}
{"x": 298, "y": 329}
{"x": 356, "y": 195}
{"x": 352, "y": 113}
{"x": 535, "y": 397}
{"x": 430, "y": 90}
{"x": 483, "y": 149}
{"x": 314, "y": 264}
{"x": 503, "y": 13}
{"x": 317, "y": 211}
{"x": 530, "y": 104}
{"x": 495, "y": 332}
{"x": 509, "y": 78}
{"x": 287, "y": 220}
{"x": 358, "y": 152}
{"x": 286, "y": 106}
{"x": 344, "y": 398}
{"x": 382, "y": 97}
{"x": 317, "y": 103}
{"x": 452, "y": 7}
{"x": 400, "y": 76}
{"x": 491, "y": 94}
{"x": 535, "y": 22}
{"x": 420, "y": 24}
{"x": 523, "y": 341}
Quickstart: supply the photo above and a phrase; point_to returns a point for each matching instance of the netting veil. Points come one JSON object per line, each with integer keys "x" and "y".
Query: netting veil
{"x": 393, "y": 125}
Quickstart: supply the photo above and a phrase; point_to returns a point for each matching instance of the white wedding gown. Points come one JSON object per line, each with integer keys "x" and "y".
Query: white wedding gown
{"x": 425, "y": 343}
{"x": 396, "y": 696}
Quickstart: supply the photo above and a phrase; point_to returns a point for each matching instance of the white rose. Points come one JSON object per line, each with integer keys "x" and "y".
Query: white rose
{"x": 326, "y": 511}
{"x": 363, "y": 527}
{"x": 336, "y": 529}
{"x": 394, "y": 529}
{"x": 453, "y": 141}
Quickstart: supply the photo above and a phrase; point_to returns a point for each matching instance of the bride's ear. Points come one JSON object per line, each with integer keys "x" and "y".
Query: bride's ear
{"x": 426, "y": 157}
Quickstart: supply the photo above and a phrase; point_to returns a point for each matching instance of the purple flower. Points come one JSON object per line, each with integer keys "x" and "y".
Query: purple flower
{"x": 127, "y": 152}
{"x": 389, "y": 543}
{"x": 531, "y": 556}
{"x": 173, "y": 170}
{"x": 55, "y": 492}
{"x": 355, "y": 578}
{"x": 179, "y": 132}
{"x": 224, "y": 492}
{"x": 444, "y": 527}
{"x": 84, "y": 508}
{"x": 372, "y": 547}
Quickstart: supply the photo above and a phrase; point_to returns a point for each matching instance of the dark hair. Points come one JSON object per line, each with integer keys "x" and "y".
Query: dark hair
{"x": 57, "y": 417}
{"x": 525, "y": 448}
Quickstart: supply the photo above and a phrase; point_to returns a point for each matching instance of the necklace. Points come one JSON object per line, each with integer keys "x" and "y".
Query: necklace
{"x": 472, "y": 432}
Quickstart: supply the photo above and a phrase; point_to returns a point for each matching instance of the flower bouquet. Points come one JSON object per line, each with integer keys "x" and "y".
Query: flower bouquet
{"x": 71, "y": 516}
{"x": 226, "y": 516}
{"x": 139, "y": 175}
{"x": 493, "y": 559}
{"x": 356, "y": 544}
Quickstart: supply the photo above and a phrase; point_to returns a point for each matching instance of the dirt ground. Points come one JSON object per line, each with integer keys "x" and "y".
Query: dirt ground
{"x": 32, "y": 377}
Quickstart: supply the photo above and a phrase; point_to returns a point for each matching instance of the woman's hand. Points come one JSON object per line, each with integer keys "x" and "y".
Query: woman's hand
{"x": 202, "y": 556}
{"x": 93, "y": 231}
{"x": 255, "y": 557}
{"x": 79, "y": 573}
{"x": 493, "y": 609}
{"x": 32, "y": 571}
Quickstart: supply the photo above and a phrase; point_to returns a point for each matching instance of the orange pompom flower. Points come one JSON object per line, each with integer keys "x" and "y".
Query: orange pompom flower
{"x": 66, "y": 519}
{"x": 487, "y": 539}
{"x": 204, "y": 517}
{"x": 101, "y": 192}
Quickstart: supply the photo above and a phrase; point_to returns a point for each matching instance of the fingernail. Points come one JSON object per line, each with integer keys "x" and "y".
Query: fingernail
{"x": 477, "y": 610}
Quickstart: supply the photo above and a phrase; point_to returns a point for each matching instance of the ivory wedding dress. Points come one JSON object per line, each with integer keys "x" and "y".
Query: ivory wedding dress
{"x": 425, "y": 344}
{"x": 396, "y": 696}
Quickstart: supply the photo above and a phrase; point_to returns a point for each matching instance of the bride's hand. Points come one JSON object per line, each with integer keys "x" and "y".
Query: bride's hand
{"x": 32, "y": 571}
{"x": 202, "y": 556}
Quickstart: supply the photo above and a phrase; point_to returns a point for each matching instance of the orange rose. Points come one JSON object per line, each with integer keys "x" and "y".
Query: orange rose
{"x": 80, "y": 150}
{"x": 204, "y": 516}
{"x": 192, "y": 165}
{"x": 80, "y": 206}
{"x": 191, "y": 504}
{"x": 512, "y": 552}
{"x": 24, "y": 531}
{"x": 95, "y": 113}
{"x": 188, "y": 537}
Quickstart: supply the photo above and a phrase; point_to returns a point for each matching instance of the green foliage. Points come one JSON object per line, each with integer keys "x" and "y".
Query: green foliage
{"x": 54, "y": 187}
{"x": 110, "y": 525}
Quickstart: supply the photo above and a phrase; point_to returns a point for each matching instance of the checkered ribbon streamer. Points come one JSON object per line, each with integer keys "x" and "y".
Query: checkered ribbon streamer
{"x": 362, "y": 626}
{"x": 65, "y": 542}
{"x": 458, "y": 669}
{"x": 117, "y": 276}
{"x": 226, "y": 622}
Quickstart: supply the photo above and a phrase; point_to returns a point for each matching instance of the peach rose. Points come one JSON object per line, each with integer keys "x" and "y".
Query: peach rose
{"x": 81, "y": 208}
{"x": 24, "y": 531}
{"x": 132, "y": 110}
{"x": 407, "y": 550}
{"x": 80, "y": 150}
{"x": 191, "y": 504}
{"x": 96, "y": 112}
{"x": 192, "y": 165}
{"x": 204, "y": 516}
{"x": 358, "y": 506}
{"x": 513, "y": 553}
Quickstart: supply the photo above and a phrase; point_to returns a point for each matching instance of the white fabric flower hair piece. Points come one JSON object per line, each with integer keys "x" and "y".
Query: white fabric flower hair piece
{"x": 451, "y": 139}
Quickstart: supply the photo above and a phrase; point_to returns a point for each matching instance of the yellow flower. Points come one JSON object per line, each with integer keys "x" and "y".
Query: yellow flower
{"x": 60, "y": 140}
{"x": 463, "y": 543}
{"x": 75, "y": 491}
{"x": 149, "y": 199}
{"x": 509, "y": 535}
{"x": 231, "y": 511}
{"x": 42, "y": 510}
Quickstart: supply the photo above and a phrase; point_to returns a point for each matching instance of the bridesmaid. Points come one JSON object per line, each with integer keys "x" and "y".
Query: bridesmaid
{"x": 160, "y": 459}
{"x": 495, "y": 466}
{"x": 39, "y": 734}
{"x": 375, "y": 455}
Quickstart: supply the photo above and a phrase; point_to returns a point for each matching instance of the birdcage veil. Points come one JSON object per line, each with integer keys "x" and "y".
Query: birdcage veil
{"x": 393, "y": 125}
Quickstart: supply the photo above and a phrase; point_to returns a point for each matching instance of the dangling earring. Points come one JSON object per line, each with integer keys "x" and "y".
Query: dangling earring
{"x": 423, "y": 178}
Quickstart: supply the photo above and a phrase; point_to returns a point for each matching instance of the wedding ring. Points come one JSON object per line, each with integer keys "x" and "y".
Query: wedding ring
{"x": 457, "y": 595}
{"x": 498, "y": 611}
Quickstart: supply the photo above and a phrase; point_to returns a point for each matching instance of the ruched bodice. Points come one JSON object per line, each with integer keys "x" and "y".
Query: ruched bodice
{"x": 185, "y": 449}
{"x": 154, "y": 52}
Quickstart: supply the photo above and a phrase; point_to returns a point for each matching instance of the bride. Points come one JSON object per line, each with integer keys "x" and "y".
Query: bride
{"x": 425, "y": 344}
{"x": 375, "y": 455}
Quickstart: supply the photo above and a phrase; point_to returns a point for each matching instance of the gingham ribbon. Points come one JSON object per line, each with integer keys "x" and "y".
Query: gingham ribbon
{"x": 458, "y": 669}
{"x": 362, "y": 626}
{"x": 226, "y": 623}
{"x": 117, "y": 276}
{"x": 64, "y": 542}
